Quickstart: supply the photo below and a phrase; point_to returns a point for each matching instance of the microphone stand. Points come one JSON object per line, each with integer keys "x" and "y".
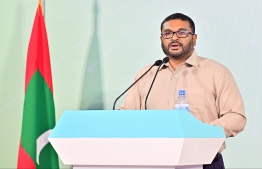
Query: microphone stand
{"x": 165, "y": 60}
{"x": 157, "y": 63}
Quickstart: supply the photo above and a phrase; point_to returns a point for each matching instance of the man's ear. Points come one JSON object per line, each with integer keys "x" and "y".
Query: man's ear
{"x": 194, "y": 39}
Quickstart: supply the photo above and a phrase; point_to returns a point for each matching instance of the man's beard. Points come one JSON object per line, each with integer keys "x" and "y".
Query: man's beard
{"x": 186, "y": 50}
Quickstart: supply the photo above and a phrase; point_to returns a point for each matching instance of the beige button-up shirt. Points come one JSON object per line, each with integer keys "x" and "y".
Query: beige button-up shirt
{"x": 211, "y": 91}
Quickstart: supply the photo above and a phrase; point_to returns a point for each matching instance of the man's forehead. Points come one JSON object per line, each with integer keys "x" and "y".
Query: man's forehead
{"x": 176, "y": 24}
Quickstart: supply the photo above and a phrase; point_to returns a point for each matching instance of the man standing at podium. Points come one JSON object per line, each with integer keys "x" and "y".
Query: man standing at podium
{"x": 211, "y": 90}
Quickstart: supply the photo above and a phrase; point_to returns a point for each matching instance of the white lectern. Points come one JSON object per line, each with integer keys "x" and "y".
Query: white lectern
{"x": 135, "y": 139}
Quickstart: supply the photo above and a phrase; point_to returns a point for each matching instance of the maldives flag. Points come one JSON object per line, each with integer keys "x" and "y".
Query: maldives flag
{"x": 35, "y": 151}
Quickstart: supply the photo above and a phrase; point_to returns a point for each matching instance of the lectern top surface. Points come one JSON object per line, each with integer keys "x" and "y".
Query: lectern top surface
{"x": 133, "y": 124}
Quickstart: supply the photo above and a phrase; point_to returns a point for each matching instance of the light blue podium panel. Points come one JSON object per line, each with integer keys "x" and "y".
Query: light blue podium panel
{"x": 135, "y": 139}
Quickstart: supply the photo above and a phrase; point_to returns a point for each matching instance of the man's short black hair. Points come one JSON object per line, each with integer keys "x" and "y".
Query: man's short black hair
{"x": 179, "y": 16}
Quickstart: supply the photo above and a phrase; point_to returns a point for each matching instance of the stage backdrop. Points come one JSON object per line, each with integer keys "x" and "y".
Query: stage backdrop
{"x": 97, "y": 47}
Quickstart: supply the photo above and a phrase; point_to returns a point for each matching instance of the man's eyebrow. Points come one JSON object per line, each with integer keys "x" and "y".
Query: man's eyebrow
{"x": 169, "y": 30}
{"x": 182, "y": 29}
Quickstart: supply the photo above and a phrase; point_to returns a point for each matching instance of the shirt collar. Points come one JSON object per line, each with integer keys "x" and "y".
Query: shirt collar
{"x": 192, "y": 60}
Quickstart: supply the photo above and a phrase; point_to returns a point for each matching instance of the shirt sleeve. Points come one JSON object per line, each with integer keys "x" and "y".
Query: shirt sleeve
{"x": 132, "y": 99}
{"x": 230, "y": 105}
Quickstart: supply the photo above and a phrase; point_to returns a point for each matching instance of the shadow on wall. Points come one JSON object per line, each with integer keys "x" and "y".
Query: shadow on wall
{"x": 92, "y": 91}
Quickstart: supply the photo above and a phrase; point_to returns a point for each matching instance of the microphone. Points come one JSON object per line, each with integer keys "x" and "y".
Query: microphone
{"x": 165, "y": 60}
{"x": 157, "y": 63}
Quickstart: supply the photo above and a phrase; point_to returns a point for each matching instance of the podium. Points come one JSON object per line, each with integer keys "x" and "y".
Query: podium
{"x": 135, "y": 139}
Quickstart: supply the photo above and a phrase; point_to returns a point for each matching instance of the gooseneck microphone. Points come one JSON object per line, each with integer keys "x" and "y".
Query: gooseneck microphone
{"x": 165, "y": 60}
{"x": 157, "y": 63}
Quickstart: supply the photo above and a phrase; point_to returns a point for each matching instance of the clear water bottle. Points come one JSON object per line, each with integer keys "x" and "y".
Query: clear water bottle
{"x": 181, "y": 101}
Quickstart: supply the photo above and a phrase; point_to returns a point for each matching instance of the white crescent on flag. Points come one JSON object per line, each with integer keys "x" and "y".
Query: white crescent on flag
{"x": 41, "y": 142}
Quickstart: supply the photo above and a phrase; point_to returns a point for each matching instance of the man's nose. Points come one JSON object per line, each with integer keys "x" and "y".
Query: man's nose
{"x": 175, "y": 37}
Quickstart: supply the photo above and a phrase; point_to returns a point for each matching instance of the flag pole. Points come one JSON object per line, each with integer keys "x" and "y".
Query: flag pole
{"x": 43, "y": 7}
